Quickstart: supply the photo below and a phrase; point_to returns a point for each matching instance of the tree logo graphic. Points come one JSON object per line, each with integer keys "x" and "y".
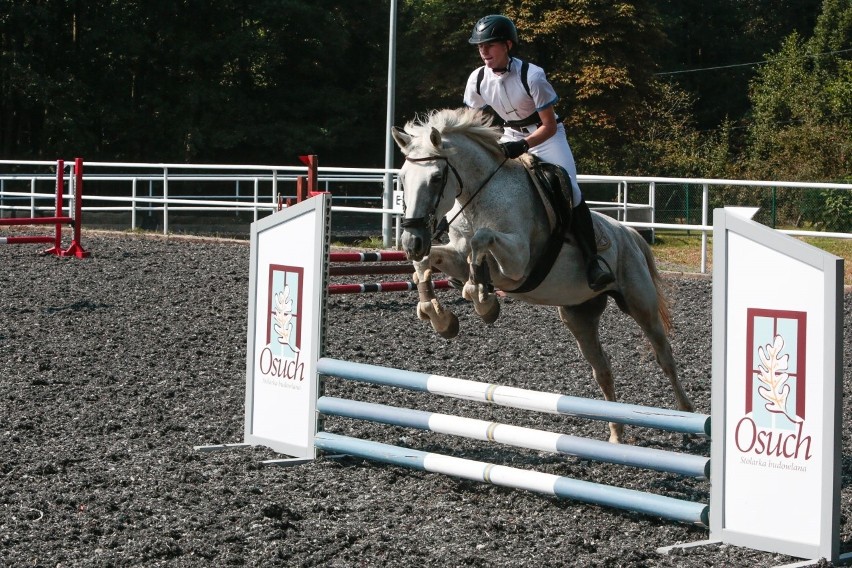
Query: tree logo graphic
{"x": 775, "y": 389}
{"x": 284, "y": 328}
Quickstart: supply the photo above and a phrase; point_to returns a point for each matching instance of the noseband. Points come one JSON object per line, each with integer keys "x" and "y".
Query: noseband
{"x": 428, "y": 221}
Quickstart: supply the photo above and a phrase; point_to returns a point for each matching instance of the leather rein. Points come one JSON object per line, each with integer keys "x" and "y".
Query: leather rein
{"x": 428, "y": 221}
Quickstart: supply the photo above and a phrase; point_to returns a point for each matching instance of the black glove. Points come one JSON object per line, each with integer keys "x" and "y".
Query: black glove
{"x": 514, "y": 148}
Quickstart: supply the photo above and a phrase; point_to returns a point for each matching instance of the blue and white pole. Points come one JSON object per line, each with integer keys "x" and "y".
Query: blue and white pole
{"x": 659, "y": 418}
{"x": 504, "y": 476}
{"x": 530, "y": 438}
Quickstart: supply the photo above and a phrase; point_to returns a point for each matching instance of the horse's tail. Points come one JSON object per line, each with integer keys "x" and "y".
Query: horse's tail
{"x": 659, "y": 284}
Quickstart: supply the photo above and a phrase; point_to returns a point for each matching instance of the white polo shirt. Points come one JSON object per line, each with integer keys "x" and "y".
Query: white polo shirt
{"x": 505, "y": 92}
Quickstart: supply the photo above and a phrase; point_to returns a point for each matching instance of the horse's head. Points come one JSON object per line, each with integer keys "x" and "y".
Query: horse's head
{"x": 430, "y": 182}
{"x": 424, "y": 179}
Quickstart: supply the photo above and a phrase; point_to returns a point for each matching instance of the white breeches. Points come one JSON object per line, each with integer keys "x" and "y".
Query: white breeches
{"x": 554, "y": 150}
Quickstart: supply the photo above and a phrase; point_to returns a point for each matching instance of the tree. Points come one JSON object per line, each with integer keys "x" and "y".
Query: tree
{"x": 802, "y": 114}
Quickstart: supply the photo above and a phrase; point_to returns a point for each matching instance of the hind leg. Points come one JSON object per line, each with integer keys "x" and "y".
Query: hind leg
{"x": 647, "y": 315}
{"x": 583, "y": 322}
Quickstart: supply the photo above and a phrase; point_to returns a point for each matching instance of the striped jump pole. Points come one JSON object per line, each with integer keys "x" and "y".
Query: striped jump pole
{"x": 366, "y": 269}
{"x": 381, "y": 287}
{"x": 658, "y": 418}
{"x": 622, "y": 454}
{"x": 362, "y": 269}
{"x": 505, "y": 476}
{"x": 376, "y": 256}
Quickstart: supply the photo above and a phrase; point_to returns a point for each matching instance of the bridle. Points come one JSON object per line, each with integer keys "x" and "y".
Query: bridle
{"x": 428, "y": 221}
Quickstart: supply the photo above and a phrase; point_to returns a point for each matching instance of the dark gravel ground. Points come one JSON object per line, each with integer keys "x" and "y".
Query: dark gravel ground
{"x": 115, "y": 367}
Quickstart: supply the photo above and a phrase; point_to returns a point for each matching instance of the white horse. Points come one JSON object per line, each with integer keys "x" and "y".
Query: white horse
{"x": 499, "y": 230}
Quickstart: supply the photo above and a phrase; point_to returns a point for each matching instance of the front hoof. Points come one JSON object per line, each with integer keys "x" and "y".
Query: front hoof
{"x": 492, "y": 314}
{"x": 452, "y": 328}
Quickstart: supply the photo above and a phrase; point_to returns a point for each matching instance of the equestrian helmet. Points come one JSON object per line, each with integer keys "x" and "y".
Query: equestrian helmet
{"x": 494, "y": 28}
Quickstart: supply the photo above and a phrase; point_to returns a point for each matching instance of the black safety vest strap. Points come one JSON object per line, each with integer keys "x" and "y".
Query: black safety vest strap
{"x": 525, "y": 68}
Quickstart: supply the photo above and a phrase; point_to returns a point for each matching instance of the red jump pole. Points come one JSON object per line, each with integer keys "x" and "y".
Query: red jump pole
{"x": 76, "y": 249}
{"x": 381, "y": 287}
{"x": 36, "y": 221}
{"x": 27, "y": 240}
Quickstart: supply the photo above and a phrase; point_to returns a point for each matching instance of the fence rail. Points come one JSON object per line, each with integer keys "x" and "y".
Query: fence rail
{"x": 646, "y": 203}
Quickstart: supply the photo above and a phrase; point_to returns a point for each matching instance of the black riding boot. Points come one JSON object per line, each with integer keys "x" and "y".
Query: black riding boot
{"x": 597, "y": 271}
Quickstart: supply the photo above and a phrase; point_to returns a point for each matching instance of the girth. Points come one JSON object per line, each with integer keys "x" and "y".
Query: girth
{"x": 554, "y": 189}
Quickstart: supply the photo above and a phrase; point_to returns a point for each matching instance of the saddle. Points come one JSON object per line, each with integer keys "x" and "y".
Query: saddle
{"x": 554, "y": 189}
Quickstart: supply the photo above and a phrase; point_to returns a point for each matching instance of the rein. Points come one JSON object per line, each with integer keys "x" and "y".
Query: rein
{"x": 421, "y": 222}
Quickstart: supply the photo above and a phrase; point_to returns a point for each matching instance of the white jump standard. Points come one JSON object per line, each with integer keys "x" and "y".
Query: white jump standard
{"x": 756, "y": 330}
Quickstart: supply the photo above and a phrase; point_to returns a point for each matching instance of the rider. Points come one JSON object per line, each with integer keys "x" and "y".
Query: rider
{"x": 524, "y": 106}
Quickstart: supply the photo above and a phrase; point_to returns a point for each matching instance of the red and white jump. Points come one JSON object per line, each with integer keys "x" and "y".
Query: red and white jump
{"x": 58, "y": 219}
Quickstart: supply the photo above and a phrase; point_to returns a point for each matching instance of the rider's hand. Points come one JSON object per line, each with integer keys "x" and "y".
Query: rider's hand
{"x": 514, "y": 148}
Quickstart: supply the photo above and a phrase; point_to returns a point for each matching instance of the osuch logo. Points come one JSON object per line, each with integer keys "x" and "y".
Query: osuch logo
{"x": 279, "y": 360}
{"x": 774, "y": 421}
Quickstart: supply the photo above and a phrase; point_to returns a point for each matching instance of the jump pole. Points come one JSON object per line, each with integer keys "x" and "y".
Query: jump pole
{"x": 406, "y": 286}
{"x": 749, "y": 491}
{"x": 529, "y": 438}
{"x": 524, "y": 399}
{"x": 504, "y": 476}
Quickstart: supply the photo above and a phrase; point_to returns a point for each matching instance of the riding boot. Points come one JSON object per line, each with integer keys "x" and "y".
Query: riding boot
{"x": 598, "y": 272}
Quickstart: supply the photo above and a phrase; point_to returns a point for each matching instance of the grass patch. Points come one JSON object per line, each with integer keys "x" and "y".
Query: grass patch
{"x": 681, "y": 252}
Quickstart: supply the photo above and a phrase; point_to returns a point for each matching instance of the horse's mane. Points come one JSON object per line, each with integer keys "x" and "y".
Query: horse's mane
{"x": 469, "y": 122}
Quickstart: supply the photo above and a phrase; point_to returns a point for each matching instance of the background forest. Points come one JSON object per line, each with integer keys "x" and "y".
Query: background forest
{"x": 719, "y": 88}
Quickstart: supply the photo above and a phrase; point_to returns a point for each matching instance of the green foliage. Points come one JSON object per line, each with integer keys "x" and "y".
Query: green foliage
{"x": 835, "y": 213}
{"x": 802, "y": 109}
{"x": 222, "y": 81}
{"x": 262, "y": 81}
{"x": 802, "y": 117}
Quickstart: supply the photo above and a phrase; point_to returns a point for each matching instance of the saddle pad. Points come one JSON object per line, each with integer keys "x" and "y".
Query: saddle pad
{"x": 601, "y": 237}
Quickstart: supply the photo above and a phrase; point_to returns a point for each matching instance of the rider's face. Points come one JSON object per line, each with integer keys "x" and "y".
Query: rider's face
{"x": 494, "y": 54}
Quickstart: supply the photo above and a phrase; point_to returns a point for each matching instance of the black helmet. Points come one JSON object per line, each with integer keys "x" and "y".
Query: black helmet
{"x": 494, "y": 28}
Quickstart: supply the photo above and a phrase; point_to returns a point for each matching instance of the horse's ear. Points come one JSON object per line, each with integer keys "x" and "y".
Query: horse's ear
{"x": 402, "y": 138}
{"x": 435, "y": 138}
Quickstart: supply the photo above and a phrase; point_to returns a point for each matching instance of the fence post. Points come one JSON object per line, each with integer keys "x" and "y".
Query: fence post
{"x": 275, "y": 197}
{"x": 652, "y": 203}
{"x": 32, "y": 197}
{"x": 705, "y": 206}
{"x": 774, "y": 206}
{"x": 133, "y": 205}
{"x": 165, "y": 201}
{"x": 256, "y": 196}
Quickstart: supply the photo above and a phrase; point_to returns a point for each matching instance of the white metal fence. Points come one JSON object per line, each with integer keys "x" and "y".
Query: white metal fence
{"x": 159, "y": 192}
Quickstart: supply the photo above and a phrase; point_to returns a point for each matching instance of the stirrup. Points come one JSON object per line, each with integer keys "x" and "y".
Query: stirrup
{"x": 598, "y": 277}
